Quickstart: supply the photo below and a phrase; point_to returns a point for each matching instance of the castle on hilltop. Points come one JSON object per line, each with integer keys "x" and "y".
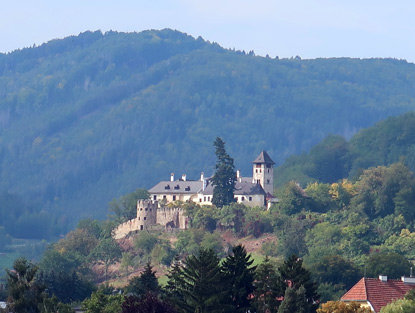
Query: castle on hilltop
{"x": 250, "y": 191}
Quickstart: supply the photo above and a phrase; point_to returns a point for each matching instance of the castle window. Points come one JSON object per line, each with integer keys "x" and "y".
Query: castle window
{"x": 141, "y": 209}
{"x": 167, "y": 187}
{"x": 164, "y": 197}
{"x": 138, "y": 218}
{"x": 268, "y": 181}
{"x": 174, "y": 198}
{"x": 141, "y": 227}
{"x": 154, "y": 197}
{"x": 146, "y": 209}
{"x": 145, "y": 218}
{"x": 200, "y": 200}
{"x": 242, "y": 198}
{"x": 256, "y": 171}
{"x": 187, "y": 188}
{"x": 208, "y": 198}
{"x": 204, "y": 199}
{"x": 268, "y": 170}
{"x": 177, "y": 187}
{"x": 250, "y": 198}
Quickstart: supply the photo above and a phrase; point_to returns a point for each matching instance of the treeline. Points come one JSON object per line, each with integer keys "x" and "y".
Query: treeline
{"x": 339, "y": 232}
{"x": 26, "y": 220}
{"x": 335, "y": 158}
{"x": 201, "y": 283}
{"x": 91, "y": 117}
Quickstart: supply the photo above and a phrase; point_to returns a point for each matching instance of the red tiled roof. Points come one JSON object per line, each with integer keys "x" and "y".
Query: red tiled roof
{"x": 376, "y": 292}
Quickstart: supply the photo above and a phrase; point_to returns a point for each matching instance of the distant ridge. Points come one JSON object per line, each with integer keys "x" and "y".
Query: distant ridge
{"x": 90, "y": 117}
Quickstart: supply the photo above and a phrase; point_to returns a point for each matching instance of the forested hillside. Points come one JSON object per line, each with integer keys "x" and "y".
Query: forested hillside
{"x": 335, "y": 158}
{"x": 91, "y": 117}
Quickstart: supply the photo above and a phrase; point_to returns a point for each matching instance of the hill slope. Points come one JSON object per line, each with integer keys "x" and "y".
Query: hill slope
{"x": 389, "y": 141}
{"x": 91, "y": 117}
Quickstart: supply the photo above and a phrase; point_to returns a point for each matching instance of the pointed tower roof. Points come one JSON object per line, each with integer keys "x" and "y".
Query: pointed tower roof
{"x": 263, "y": 157}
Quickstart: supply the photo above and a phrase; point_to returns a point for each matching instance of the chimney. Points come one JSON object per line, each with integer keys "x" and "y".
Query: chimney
{"x": 202, "y": 176}
{"x": 172, "y": 177}
{"x": 383, "y": 278}
{"x": 183, "y": 177}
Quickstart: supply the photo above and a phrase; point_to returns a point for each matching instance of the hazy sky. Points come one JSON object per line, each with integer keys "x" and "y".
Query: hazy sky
{"x": 308, "y": 28}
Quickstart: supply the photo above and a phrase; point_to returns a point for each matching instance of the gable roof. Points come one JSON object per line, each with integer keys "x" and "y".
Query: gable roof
{"x": 376, "y": 292}
{"x": 243, "y": 188}
{"x": 177, "y": 187}
{"x": 263, "y": 157}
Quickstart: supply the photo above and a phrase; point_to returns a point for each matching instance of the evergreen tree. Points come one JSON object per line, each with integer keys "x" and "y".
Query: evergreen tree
{"x": 294, "y": 275}
{"x": 294, "y": 301}
{"x": 240, "y": 277}
{"x": 201, "y": 285}
{"x": 172, "y": 289}
{"x": 146, "y": 282}
{"x": 225, "y": 176}
{"x": 25, "y": 294}
{"x": 268, "y": 288}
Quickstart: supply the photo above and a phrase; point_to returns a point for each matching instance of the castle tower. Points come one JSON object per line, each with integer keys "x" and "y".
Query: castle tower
{"x": 263, "y": 172}
{"x": 146, "y": 213}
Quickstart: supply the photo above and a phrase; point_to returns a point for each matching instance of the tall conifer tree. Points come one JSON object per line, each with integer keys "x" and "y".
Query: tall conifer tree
{"x": 225, "y": 176}
{"x": 239, "y": 274}
{"x": 201, "y": 284}
{"x": 268, "y": 287}
{"x": 295, "y": 276}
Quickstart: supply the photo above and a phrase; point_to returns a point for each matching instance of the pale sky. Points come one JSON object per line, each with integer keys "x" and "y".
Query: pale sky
{"x": 307, "y": 28}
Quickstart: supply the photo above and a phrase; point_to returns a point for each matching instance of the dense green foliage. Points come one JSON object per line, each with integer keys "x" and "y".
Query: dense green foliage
{"x": 145, "y": 283}
{"x": 406, "y": 305}
{"x": 91, "y": 117}
{"x": 239, "y": 275}
{"x": 26, "y": 293}
{"x": 334, "y": 158}
{"x": 86, "y": 119}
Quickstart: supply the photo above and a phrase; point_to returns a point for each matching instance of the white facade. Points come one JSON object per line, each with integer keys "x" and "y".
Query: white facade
{"x": 251, "y": 191}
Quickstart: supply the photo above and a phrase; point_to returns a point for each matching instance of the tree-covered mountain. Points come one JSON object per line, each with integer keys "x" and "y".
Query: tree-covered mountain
{"x": 389, "y": 141}
{"x": 90, "y": 117}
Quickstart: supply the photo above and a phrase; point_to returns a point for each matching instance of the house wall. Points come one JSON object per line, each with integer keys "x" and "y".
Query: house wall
{"x": 203, "y": 199}
{"x": 251, "y": 200}
{"x": 172, "y": 197}
{"x": 248, "y": 200}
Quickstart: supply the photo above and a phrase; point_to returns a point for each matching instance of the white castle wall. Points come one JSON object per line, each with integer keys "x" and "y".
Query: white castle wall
{"x": 149, "y": 214}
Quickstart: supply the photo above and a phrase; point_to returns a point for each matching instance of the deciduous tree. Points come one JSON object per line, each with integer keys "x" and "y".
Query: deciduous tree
{"x": 342, "y": 307}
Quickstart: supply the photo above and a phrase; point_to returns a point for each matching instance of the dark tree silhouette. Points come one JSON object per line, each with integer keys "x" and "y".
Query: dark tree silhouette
{"x": 225, "y": 176}
{"x": 239, "y": 274}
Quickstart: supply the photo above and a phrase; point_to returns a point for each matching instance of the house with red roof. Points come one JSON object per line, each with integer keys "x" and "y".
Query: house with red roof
{"x": 378, "y": 292}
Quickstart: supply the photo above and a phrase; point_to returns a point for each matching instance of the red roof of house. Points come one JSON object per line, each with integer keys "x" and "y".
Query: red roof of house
{"x": 377, "y": 292}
